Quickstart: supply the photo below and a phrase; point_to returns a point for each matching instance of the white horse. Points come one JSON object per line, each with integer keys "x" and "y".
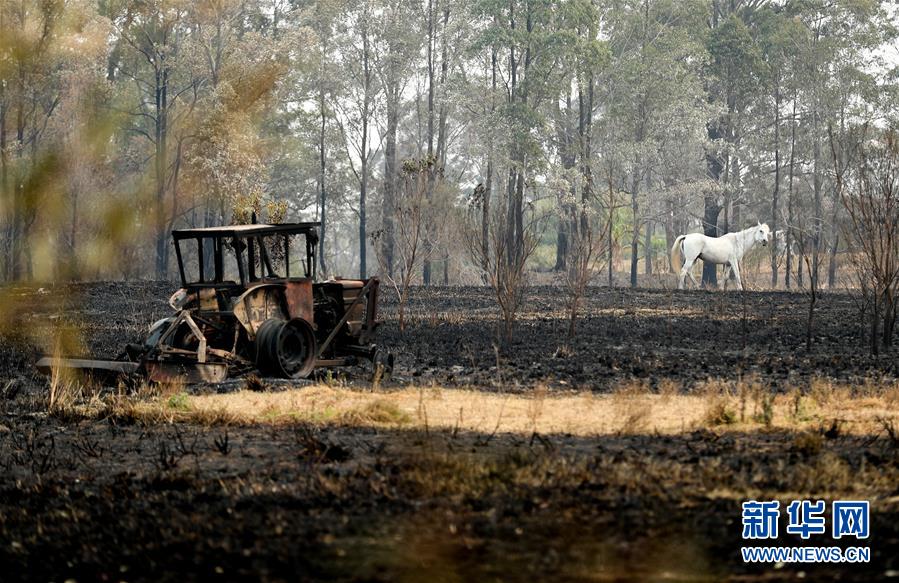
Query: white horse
{"x": 727, "y": 249}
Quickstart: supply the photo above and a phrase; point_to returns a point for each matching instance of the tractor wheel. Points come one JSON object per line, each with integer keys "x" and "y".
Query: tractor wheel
{"x": 286, "y": 348}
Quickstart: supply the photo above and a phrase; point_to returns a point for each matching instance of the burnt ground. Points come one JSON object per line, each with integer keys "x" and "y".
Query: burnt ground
{"x": 452, "y": 335}
{"x": 117, "y": 499}
{"x": 651, "y": 335}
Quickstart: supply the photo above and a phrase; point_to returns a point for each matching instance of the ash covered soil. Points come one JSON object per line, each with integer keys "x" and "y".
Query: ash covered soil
{"x": 114, "y": 499}
{"x": 622, "y": 334}
{"x": 451, "y": 336}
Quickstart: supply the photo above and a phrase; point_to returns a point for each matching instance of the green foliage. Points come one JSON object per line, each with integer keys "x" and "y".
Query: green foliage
{"x": 122, "y": 120}
{"x": 179, "y": 402}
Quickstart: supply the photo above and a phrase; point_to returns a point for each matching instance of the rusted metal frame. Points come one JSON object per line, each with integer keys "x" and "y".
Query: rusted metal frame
{"x": 360, "y": 351}
{"x": 310, "y": 257}
{"x": 266, "y": 260}
{"x": 201, "y": 351}
{"x": 201, "y": 260}
{"x": 251, "y": 260}
{"x": 180, "y": 262}
{"x": 167, "y": 352}
{"x": 48, "y": 363}
{"x": 347, "y": 360}
{"x": 246, "y": 305}
{"x": 287, "y": 256}
{"x": 218, "y": 260}
{"x": 224, "y": 354}
{"x": 371, "y": 309}
{"x": 238, "y": 253}
{"x": 192, "y": 372}
{"x": 184, "y": 316}
{"x": 237, "y": 328}
{"x": 343, "y": 320}
{"x": 198, "y": 316}
{"x": 220, "y": 353}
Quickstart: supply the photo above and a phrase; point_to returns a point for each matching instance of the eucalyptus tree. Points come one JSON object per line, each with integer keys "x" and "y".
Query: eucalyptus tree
{"x": 530, "y": 45}
{"x": 840, "y": 41}
{"x": 317, "y": 89}
{"x": 583, "y": 223}
{"x": 732, "y": 79}
{"x": 361, "y": 96}
{"x": 654, "y": 75}
{"x": 235, "y": 147}
{"x": 158, "y": 92}
{"x": 53, "y": 137}
{"x": 29, "y": 94}
{"x": 777, "y": 34}
{"x": 398, "y": 46}
{"x": 585, "y": 63}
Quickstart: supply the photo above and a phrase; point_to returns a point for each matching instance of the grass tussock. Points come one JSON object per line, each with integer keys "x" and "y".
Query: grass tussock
{"x": 379, "y": 412}
{"x": 720, "y": 412}
{"x": 633, "y": 405}
{"x": 808, "y": 443}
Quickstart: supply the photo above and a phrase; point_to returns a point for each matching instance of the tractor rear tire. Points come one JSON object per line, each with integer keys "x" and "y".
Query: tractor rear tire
{"x": 286, "y": 348}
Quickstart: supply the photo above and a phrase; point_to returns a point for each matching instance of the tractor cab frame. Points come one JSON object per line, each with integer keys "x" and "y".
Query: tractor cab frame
{"x": 250, "y": 300}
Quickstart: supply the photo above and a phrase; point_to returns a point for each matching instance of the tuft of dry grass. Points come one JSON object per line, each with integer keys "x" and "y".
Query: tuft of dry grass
{"x": 808, "y": 443}
{"x": 564, "y": 351}
{"x": 719, "y": 412}
{"x": 669, "y": 387}
{"x": 379, "y": 412}
{"x": 719, "y": 403}
{"x": 634, "y": 404}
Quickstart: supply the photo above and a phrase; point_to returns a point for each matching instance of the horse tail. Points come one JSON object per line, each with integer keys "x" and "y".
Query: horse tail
{"x": 676, "y": 255}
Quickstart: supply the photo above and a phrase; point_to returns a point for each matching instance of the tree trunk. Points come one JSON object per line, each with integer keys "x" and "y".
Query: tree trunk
{"x": 817, "y": 184}
{"x": 568, "y": 159}
{"x": 441, "y": 120}
{"x": 635, "y": 236}
{"x": 321, "y": 180}
{"x": 363, "y": 193}
{"x": 518, "y": 208}
{"x": 161, "y": 127}
{"x": 390, "y": 182}
{"x": 609, "y": 233}
{"x": 488, "y": 192}
{"x": 561, "y": 244}
{"x": 813, "y": 299}
{"x": 5, "y": 191}
{"x": 485, "y": 217}
{"x": 363, "y": 179}
{"x": 711, "y": 208}
{"x": 670, "y": 228}
{"x": 426, "y": 264}
{"x": 710, "y": 229}
{"x": 790, "y": 218}
{"x": 832, "y": 263}
{"x": 889, "y": 317}
{"x": 774, "y": 197}
{"x": 875, "y": 323}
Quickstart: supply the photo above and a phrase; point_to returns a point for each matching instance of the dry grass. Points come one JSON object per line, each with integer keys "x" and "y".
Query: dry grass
{"x": 632, "y": 408}
{"x": 378, "y": 412}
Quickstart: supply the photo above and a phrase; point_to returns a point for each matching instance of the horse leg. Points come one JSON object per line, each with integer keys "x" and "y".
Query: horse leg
{"x": 686, "y": 270}
{"x": 693, "y": 279}
{"x": 736, "y": 267}
{"x": 728, "y": 269}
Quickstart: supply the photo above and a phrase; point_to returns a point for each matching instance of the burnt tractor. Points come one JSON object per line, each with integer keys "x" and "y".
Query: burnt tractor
{"x": 250, "y": 301}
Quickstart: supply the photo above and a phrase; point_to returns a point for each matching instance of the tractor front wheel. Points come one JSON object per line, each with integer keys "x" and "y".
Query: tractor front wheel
{"x": 286, "y": 348}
